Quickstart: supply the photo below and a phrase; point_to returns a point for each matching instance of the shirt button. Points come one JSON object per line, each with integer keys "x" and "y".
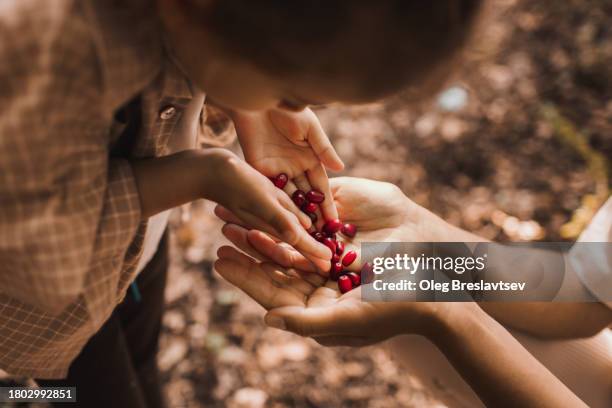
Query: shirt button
{"x": 167, "y": 112}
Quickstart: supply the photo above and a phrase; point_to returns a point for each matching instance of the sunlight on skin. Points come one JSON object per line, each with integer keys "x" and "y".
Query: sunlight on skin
{"x": 308, "y": 302}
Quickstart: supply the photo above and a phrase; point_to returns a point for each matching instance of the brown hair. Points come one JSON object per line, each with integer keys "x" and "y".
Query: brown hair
{"x": 382, "y": 45}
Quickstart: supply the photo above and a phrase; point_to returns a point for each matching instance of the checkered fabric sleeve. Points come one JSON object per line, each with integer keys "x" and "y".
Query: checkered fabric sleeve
{"x": 64, "y": 204}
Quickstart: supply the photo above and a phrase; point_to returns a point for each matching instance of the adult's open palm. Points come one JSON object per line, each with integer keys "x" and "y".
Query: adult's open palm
{"x": 306, "y": 303}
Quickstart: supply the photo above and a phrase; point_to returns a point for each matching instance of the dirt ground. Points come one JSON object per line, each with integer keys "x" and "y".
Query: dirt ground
{"x": 516, "y": 149}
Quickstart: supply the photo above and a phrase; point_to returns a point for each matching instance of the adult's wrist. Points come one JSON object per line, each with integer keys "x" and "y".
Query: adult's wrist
{"x": 454, "y": 321}
{"x": 425, "y": 226}
{"x": 442, "y": 321}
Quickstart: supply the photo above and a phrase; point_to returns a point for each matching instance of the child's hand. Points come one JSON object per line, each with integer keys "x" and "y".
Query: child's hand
{"x": 255, "y": 201}
{"x": 380, "y": 211}
{"x": 294, "y": 143}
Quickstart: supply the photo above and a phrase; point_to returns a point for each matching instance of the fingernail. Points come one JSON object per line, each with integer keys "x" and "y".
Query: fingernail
{"x": 275, "y": 322}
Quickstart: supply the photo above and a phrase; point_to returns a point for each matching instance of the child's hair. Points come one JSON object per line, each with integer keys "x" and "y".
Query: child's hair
{"x": 383, "y": 45}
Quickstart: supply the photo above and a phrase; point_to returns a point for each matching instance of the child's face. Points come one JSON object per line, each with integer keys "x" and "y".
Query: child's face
{"x": 240, "y": 86}
{"x": 235, "y": 83}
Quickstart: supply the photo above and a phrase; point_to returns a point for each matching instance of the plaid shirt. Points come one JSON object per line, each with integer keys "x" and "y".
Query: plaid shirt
{"x": 70, "y": 226}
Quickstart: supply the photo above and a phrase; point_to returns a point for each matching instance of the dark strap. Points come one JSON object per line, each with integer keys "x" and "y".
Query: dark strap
{"x": 130, "y": 115}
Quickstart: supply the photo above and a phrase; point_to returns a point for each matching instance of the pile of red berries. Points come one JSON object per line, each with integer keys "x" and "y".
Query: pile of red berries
{"x": 328, "y": 236}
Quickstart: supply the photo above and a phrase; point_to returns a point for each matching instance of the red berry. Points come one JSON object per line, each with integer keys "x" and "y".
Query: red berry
{"x": 349, "y": 258}
{"x": 299, "y": 198}
{"x": 332, "y": 226}
{"x": 335, "y": 271}
{"x": 333, "y": 237}
{"x": 349, "y": 230}
{"x": 330, "y": 244}
{"x": 355, "y": 279}
{"x": 339, "y": 247}
{"x": 317, "y": 235}
{"x": 315, "y": 196}
{"x": 367, "y": 273}
{"x": 344, "y": 284}
{"x": 313, "y": 217}
{"x": 335, "y": 258}
{"x": 309, "y": 208}
{"x": 281, "y": 180}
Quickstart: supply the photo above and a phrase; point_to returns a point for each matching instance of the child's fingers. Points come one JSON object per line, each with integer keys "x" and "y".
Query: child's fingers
{"x": 239, "y": 237}
{"x": 318, "y": 180}
{"x": 322, "y": 147}
{"x": 303, "y": 184}
{"x": 296, "y": 236}
{"x": 318, "y": 253}
{"x": 288, "y": 203}
{"x": 276, "y": 220}
{"x": 301, "y": 181}
{"x": 290, "y": 187}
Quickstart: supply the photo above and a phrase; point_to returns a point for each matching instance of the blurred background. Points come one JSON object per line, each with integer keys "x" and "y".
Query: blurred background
{"x": 516, "y": 147}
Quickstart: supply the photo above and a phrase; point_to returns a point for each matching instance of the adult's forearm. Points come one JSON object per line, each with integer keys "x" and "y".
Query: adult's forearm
{"x": 563, "y": 319}
{"x": 552, "y": 320}
{"x": 495, "y": 365}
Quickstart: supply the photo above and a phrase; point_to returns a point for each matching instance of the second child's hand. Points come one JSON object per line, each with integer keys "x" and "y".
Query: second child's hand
{"x": 294, "y": 143}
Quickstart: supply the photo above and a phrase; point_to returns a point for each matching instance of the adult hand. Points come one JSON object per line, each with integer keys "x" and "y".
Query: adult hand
{"x": 309, "y": 305}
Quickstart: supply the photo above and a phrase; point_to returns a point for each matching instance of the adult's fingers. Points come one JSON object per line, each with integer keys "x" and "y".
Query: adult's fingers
{"x": 239, "y": 237}
{"x": 226, "y": 215}
{"x": 252, "y": 279}
{"x": 289, "y": 279}
{"x": 279, "y": 253}
{"x": 288, "y": 203}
